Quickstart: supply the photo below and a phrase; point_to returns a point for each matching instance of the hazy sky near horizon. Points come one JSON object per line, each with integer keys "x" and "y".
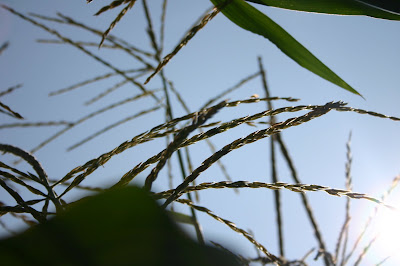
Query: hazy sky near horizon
{"x": 362, "y": 50}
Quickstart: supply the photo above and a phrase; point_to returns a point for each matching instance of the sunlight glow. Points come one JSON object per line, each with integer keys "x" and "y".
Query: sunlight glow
{"x": 387, "y": 229}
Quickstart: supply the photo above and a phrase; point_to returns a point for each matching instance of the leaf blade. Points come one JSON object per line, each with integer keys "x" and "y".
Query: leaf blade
{"x": 372, "y": 8}
{"x": 249, "y": 18}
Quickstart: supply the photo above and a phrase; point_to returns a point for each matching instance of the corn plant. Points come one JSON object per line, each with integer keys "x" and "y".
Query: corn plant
{"x": 171, "y": 176}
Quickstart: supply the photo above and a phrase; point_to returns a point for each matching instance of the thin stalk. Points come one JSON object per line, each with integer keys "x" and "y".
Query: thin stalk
{"x": 107, "y": 64}
{"x": 3, "y": 47}
{"x": 272, "y": 258}
{"x": 162, "y": 27}
{"x": 253, "y": 137}
{"x": 11, "y": 89}
{"x": 43, "y": 178}
{"x": 343, "y": 236}
{"x": 274, "y": 174}
{"x": 395, "y": 182}
{"x": 306, "y": 204}
{"x": 209, "y": 143}
{"x": 297, "y": 188}
{"x": 170, "y": 116}
{"x": 178, "y": 139}
{"x": 37, "y": 215}
{"x": 187, "y": 38}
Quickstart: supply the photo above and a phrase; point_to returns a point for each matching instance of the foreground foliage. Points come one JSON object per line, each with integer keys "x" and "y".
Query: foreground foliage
{"x": 118, "y": 214}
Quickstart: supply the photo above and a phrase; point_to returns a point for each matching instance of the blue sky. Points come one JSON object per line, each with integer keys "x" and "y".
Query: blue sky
{"x": 362, "y": 50}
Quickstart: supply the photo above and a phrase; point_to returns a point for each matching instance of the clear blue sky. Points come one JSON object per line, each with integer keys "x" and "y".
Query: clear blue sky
{"x": 362, "y": 50}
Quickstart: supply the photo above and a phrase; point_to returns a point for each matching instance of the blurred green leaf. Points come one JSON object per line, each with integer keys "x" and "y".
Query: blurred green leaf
{"x": 246, "y": 16}
{"x": 118, "y": 227}
{"x": 181, "y": 218}
{"x": 384, "y": 9}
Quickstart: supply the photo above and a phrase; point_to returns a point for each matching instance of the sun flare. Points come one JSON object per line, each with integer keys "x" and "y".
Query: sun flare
{"x": 387, "y": 230}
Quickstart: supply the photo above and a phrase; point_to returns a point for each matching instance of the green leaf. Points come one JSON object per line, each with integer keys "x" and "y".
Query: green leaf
{"x": 384, "y": 9}
{"x": 247, "y": 17}
{"x": 118, "y": 227}
{"x": 181, "y": 218}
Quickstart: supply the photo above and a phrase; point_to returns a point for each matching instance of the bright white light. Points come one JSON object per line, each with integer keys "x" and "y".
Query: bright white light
{"x": 387, "y": 228}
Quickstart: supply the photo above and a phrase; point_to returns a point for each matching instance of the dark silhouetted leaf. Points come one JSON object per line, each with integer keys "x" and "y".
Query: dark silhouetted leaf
{"x": 384, "y": 9}
{"x": 118, "y": 227}
{"x": 249, "y": 18}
